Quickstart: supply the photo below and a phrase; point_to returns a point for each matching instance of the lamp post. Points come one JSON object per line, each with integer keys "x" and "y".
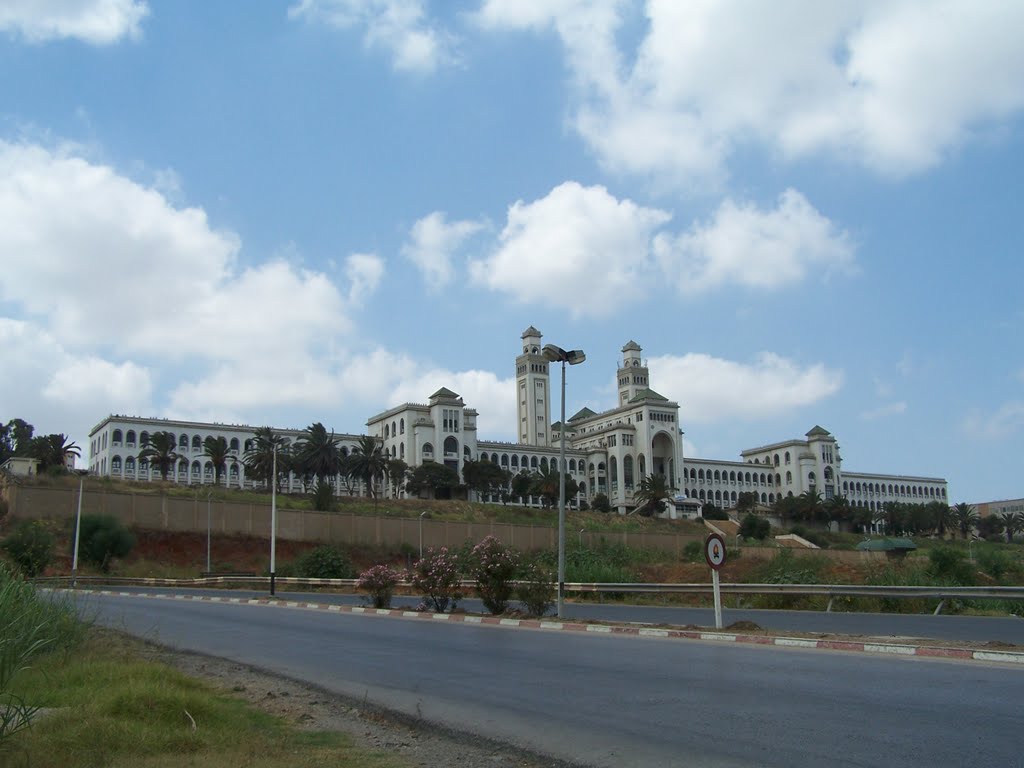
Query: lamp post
{"x": 421, "y": 533}
{"x": 78, "y": 528}
{"x": 572, "y": 357}
{"x": 273, "y": 520}
{"x": 208, "y": 495}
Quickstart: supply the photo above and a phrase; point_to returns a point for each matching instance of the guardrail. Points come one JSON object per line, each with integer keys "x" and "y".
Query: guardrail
{"x": 831, "y": 591}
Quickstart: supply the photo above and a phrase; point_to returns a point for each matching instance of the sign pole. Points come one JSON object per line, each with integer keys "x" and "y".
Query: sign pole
{"x": 714, "y": 553}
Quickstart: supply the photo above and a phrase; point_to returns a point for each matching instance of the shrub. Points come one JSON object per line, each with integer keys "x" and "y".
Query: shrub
{"x": 324, "y": 563}
{"x": 30, "y": 546}
{"x": 102, "y": 538}
{"x": 436, "y": 576}
{"x": 711, "y": 512}
{"x": 493, "y": 566}
{"x": 379, "y": 583}
{"x": 536, "y": 590}
{"x": 600, "y": 503}
{"x": 693, "y": 552}
{"x": 323, "y": 497}
{"x": 996, "y": 564}
{"x": 949, "y": 564}
{"x": 754, "y": 527}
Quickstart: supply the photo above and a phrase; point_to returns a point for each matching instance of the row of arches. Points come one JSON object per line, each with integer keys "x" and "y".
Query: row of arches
{"x": 894, "y": 489}
{"x": 727, "y": 498}
{"x": 516, "y": 463}
{"x": 732, "y": 476}
{"x": 183, "y": 441}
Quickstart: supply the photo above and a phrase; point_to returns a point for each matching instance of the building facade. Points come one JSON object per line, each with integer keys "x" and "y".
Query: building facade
{"x": 607, "y": 452}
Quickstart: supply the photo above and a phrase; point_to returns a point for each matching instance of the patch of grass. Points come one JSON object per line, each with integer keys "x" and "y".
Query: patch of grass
{"x": 110, "y": 707}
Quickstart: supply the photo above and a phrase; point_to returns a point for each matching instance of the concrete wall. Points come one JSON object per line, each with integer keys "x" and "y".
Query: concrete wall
{"x": 183, "y": 514}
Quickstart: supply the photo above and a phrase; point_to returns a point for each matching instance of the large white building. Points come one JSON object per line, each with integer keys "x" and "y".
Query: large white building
{"x": 607, "y": 452}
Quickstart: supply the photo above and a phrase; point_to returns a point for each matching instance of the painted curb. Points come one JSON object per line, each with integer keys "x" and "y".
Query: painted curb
{"x": 874, "y": 647}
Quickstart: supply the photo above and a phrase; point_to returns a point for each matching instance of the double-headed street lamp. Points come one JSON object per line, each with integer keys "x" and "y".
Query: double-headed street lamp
{"x": 572, "y": 357}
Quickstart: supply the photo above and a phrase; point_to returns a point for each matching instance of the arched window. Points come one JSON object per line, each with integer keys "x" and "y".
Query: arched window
{"x": 144, "y": 439}
{"x": 387, "y": 432}
{"x": 764, "y": 480}
{"x": 732, "y": 497}
{"x": 129, "y": 465}
{"x": 401, "y": 450}
{"x": 776, "y": 459}
{"x": 533, "y": 462}
{"x": 544, "y": 463}
{"x": 233, "y": 445}
{"x": 627, "y": 471}
{"x": 393, "y": 432}
{"x": 613, "y": 470}
{"x": 718, "y": 496}
{"x": 764, "y": 498}
{"x": 718, "y": 476}
{"x": 197, "y": 470}
{"x": 700, "y": 475}
{"x": 208, "y": 470}
{"x": 701, "y": 495}
{"x": 787, "y": 457}
{"x": 483, "y": 456}
{"x": 572, "y": 465}
{"x": 515, "y": 461}
{"x": 117, "y": 437}
{"x": 401, "y": 426}
{"x": 789, "y": 477}
{"x": 451, "y": 446}
{"x": 778, "y": 479}
{"x": 115, "y": 465}
{"x": 197, "y": 443}
{"x": 642, "y": 465}
{"x": 771, "y": 498}
{"x": 828, "y": 475}
{"x": 183, "y": 442}
{"x": 129, "y": 437}
{"x": 504, "y": 459}
{"x": 810, "y": 477}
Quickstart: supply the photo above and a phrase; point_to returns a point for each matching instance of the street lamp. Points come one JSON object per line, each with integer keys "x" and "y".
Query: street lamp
{"x": 273, "y": 520}
{"x": 572, "y": 357}
{"x": 421, "y": 532}
{"x": 78, "y": 526}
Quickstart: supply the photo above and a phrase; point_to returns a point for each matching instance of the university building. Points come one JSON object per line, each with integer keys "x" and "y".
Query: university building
{"x": 607, "y": 452}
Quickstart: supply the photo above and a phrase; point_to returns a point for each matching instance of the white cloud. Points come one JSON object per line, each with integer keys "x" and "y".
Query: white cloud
{"x": 894, "y": 86}
{"x": 432, "y": 245}
{"x": 711, "y": 389}
{"x": 364, "y": 272}
{"x": 1007, "y": 420}
{"x": 885, "y": 411}
{"x": 760, "y": 249}
{"x": 493, "y": 397}
{"x": 99, "y": 22}
{"x": 575, "y": 242}
{"x": 114, "y": 265}
{"x": 399, "y": 26}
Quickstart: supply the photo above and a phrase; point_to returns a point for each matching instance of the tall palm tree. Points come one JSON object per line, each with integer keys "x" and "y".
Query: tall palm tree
{"x": 316, "y": 452}
{"x": 653, "y": 492}
{"x": 160, "y": 453}
{"x": 1013, "y": 522}
{"x": 812, "y": 506}
{"x": 837, "y": 509}
{"x": 258, "y": 458}
{"x": 368, "y": 462}
{"x": 965, "y": 517}
{"x": 216, "y": 450}
{"x": 53, "y": 450}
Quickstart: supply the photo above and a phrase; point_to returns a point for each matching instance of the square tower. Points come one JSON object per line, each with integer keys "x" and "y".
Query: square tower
{"x": 533, "y": 391}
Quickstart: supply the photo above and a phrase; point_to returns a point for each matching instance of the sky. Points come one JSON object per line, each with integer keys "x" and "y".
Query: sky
{"x": 279, "y": 213}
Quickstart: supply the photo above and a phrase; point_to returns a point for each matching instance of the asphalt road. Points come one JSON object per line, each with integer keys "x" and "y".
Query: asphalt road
{"x": 615, "y": 701}
{"x": 977, "y": 629}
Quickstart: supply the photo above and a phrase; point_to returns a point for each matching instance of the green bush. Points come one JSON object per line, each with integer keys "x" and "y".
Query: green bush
{"x": 379, "y": 583}
{"x": 600, "y": 503}
{"x": 711, "y": 512}
{"x": 996, "y": 564}
{"x": 437, "y": 577}
{"x": 693, "y": 552}
{"x": 30, "y": 546}
{"x": 950, "y": 565}
{"x": 536, "y": 589}
{"x": 787, "y": 568}
{"x": 323, "y": 497}
{"x": 324, "y": 562}
{"x": 754, "y": 527}
{"x": 102, "y": 538}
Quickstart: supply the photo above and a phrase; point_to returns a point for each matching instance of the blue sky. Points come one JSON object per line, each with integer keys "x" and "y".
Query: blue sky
{"x": 282, "y": 213}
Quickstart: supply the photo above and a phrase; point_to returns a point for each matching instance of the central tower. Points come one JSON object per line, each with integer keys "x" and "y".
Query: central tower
{"x": 633, "y": 375}
{"x": 533, "y": 406}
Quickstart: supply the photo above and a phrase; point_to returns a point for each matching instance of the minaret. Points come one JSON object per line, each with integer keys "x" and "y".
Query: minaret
{"x": 632, "y": 374}
{"x": 533, "y": 404}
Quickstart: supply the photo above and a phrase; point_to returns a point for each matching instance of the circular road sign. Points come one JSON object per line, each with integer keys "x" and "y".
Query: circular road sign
{"x": 714, "y": 550}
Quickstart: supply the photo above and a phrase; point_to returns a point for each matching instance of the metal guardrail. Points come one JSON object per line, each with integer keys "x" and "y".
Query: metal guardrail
{"x": 831, "y": 591}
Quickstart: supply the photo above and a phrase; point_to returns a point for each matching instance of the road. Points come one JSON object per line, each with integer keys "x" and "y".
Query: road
{"x": 614, "y": 701}
{"x": 977, "y": 629}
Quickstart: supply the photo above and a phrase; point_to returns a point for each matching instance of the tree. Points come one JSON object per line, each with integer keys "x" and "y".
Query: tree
{"x": 812, "y": 506}
{"x": 217, "y": 451}
{"x": 1013, "y": 522}
{"x": 368, "y": 462}
{"x": 521, "y": 485}
{"x": 317, "y": 454}
{"x": 941, "y": 516}
{"x": 965, "y": 517}
{"x": 837, "y": 509}
{"x": 30, "y": 546}
{"x": 159, "y": 452}
{"x": 746, "y": 502}
{"x": 600, "y": 503}
{"x": 103, "y": 538}
{"x": 654, "y": 491}
{"x": 788, "y": 507}
{"x": 754, "y": 527}
{"x": 432, "y": 478}
{"x": 544, "y": 483}
{"x": 53, "y": 450}
{"x": 397, "y": 469}
{"x": 15, "y": 439}
{"x": 484, "y": 477}
{"x": 259, "y": 456}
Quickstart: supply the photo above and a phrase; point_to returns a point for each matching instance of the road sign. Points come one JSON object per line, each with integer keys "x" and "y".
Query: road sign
{"x": 714, "y": 550}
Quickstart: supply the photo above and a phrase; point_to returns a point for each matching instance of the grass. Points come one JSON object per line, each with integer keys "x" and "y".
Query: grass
{"x": 108, "y": 706}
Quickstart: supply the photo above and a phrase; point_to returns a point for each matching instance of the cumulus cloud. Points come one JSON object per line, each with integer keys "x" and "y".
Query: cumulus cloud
{"x": 893, "y": 86}
{"x": 1007, "y": 420}
{"x": 745, "y": 245}
{"x": 115, "y": 265}
{"x": 364, "y": 272}
{"x": 399, "y": 26}
{"x": 99, "y": 22}
{"x": 433, "y": 243}
{"x": 578, "y": 241}
{"x": 711, "y": 389}
{"x": 492, "y": 396}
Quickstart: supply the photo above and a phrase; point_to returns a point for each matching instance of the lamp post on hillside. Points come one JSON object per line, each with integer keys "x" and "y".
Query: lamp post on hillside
{"x": 572, "y": 357}
{"x": 78, "y": 527}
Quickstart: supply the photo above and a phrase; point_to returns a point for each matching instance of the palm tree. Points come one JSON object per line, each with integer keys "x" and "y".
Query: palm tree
{"x": 53, "y": 450}
{"x": 837, "y": 509}
{"x": 259, "y": 455}
{"x": 653, "y": 492}
{"x": 368, "y": 462}
{"x": 160, "y": 453}
{"x": 317, "y": 454}
{"x": 965, "y": 516}
{"x": 1013, "y": 522}
{"x": 216, "y": 449}
{"x": 811, "y": 505}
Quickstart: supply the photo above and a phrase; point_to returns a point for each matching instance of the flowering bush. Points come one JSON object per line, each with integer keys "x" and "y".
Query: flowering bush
{"x": 436, "y": 576}
{"x": 536, "y": 590}
{"x": 379, "y": 583}
{"x": 493, "y": 566}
